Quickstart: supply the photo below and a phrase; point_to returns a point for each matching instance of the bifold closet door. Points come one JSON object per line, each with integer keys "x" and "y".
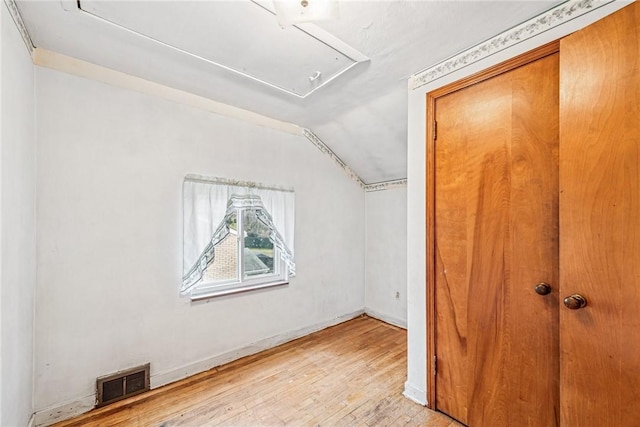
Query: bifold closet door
{"x": 600, "y": 222}
{"x": 496, "y": 228}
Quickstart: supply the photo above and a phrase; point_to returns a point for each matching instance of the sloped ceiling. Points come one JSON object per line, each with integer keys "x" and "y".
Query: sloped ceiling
{"x": 361, "y": 115}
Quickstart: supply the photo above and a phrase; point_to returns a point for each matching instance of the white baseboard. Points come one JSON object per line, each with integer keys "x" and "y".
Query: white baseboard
{"x": 65, "y": 411}
{"x": 32, "y": 421}
{"x": 159, "y": 379}
{"x": 84, "y": 404}
{"x": 385, "y": 318}
{"x": 414, "y": 393}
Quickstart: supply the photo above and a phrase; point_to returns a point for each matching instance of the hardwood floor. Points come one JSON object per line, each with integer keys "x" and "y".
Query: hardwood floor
{"x": 351, "y": 374}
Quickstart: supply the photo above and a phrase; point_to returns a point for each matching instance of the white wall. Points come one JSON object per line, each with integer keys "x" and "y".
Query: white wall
{"x": 386, "y": 257}
{"x": 110, "y": 169}
{"x": 17, "y": 213}
{"x": 415, "y": 387}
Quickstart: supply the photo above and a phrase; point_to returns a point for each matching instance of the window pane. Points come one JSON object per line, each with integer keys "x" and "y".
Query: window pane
{"x": 225, "y": 263}
{"x": 258, "y": 249}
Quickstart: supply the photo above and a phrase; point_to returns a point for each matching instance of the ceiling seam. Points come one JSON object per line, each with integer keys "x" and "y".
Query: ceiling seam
{"x": 533, "y": 27}
{"x": 17, "y": 19}
{"x": 386, "y": 185}
{"x": 324, "y": 148}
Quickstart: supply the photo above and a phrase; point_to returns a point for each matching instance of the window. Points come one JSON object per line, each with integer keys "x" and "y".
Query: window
{"x": 237, "y": 236}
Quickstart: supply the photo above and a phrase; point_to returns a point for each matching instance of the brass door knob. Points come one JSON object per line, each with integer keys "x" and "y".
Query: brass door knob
{"x": 575, "y": 302}
{"x": 543, "y": 288}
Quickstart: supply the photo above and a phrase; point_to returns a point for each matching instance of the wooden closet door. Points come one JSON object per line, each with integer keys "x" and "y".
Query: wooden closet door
{"x": 600, "y": 222}
{"x": 496, "y": 228}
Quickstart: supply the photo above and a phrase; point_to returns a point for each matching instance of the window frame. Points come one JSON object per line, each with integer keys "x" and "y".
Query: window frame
{"x": 279, "y": 277}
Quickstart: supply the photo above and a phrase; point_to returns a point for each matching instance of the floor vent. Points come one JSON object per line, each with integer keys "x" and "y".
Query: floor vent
{"x": 123, "y": 384}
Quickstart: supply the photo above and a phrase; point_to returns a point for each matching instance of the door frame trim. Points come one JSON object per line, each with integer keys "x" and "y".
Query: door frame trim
{"x": 511, "y": 64}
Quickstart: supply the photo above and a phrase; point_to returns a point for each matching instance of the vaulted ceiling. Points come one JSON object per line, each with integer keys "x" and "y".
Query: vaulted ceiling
{"x": 235, "y": 52}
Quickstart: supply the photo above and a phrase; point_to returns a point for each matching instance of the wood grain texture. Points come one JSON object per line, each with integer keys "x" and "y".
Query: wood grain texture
{"x": 349, "y": 375}
{"x": 508, "y": 65}
{"x": 496, "y": 228}
{"x": 600, "y": 222}
{"x": 526, "y": 58}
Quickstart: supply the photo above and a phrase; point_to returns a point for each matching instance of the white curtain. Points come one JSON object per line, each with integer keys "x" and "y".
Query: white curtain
{"x": 280, "y": 204}
{"x": 205, "y": 205}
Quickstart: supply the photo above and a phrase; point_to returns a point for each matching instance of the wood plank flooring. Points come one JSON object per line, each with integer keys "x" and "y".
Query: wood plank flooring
{"x": 351, "y": 374}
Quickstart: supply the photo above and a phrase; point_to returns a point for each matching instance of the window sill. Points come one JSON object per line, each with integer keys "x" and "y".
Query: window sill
{"x": 204, "y": 295}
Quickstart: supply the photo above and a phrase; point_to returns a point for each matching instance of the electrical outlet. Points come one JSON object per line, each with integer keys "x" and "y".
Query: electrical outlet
{"x": 397, "y": 295}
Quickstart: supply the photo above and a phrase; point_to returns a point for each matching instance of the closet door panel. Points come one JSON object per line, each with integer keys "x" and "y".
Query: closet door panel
{"x": 496, "y": 209}
{"x": 600, "y": 222}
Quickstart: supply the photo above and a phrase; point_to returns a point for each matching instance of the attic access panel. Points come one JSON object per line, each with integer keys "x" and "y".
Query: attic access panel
{"x": 243, "y": 37}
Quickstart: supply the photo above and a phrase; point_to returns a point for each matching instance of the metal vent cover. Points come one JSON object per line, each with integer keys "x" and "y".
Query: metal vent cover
{"x": 120, "y": 385}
